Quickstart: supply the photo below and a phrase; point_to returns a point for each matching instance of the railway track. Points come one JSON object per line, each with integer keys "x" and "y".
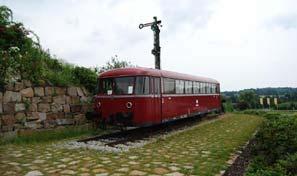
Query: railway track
{"x": 142, "y": 133}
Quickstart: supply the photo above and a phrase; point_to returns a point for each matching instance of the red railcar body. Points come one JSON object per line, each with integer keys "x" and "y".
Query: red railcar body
{"x": 144, "y": 96}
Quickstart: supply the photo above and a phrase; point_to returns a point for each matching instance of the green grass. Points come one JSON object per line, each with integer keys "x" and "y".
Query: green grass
{"x": 51, "y": 135}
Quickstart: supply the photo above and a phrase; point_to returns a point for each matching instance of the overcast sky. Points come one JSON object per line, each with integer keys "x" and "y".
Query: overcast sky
{"x": 241, "y": 43}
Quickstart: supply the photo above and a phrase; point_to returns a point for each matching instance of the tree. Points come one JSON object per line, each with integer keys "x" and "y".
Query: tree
{"x": 113, "y": 64}
{"x": 248, "y": 99}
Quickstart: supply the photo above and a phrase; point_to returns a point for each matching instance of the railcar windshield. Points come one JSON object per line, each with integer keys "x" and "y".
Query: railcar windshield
{"x": 117, "y": 86}
{"x": 124, "y": 85}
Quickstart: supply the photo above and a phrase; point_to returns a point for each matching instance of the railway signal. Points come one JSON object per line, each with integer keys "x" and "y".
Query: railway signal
{"x": 156, "y": 51}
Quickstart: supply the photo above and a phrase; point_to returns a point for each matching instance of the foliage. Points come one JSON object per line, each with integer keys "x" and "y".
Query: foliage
{"x": 86, "y": 77}
{"x": 247, "y": 99}
{"x": 20, "y": 56}
{"x": 276, "y": 146}
{"x": 113, "y": 64}
{"x": 228, "y": 106}
{"x": 287, "y": 106}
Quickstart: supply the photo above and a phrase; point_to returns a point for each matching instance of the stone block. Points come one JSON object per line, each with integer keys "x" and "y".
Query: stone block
{"x": 65, "y": 121}
{"x": 60, "y": 99}
{"x": 68, "y": 99}
{"x": 8, "y": 107}
{"x": 86, "y": 108}
{"x": 69, "y": 115}
{"x": 1, "y": 102}
{"x": 8, "y": 120}
{"x": 44, "y": 107}
{"x": 18, "y": 86}
{"x": 47, "y": 99}
{"x": 79, "y": 91}
{"x": 61, "y": 115}
{"x": 19, "y": 107}
{"x": 5, "y": 128}
{"x": 75, "y": 108}
{"x": 56, "y": 107}
{"x": 41, "y": 116}
{"x": 39, "y": 91}
{"x": 72, "y": 91}
{"x": 86, "y": 92}
{"x": 33, "y": 107}
{"x": 31, "y": 124}
{"x": 36, "y": 100}
{"x": 75, "y": 100}
{"x": 49, "y": 91}
{"x": 9, "y": 86}
{"x": 20, "y": 117}
{"x": 60, "y": 91}
{"x": 28, "y": 92}
{"x": 30, "y": 116}
{"x": 52, "y": 116}
{"x": 27, "y": 83}
{"x": 79, "y": 119}
{"x": 10, "y": 96}
{"x": 66, "y": 108}
{"x": 84, "y": 99}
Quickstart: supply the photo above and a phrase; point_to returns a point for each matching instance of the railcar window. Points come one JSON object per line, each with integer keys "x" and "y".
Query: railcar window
{"x": 217, "y": 88}
{"x": 157, "y": 85}
{"x": 179, "y": 86}
{"x": 196, "y": 87}
{"x": 207, "y": 88}
{"x": 105, "y": 86}
{"x": 202, "y": 88}
{"x": 169, "y": 86}
{"x": 124, "y": 85}
{"x": 142, "y": 85}
{"x": 189, "y": 87}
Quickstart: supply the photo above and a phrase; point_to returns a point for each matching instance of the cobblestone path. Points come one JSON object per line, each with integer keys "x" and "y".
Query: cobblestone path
{"x": 202, "y": 150}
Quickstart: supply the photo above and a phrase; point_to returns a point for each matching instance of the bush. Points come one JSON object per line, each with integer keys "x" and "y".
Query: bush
{"x": 86, "y": 77}
{"x": 276, "y": 146}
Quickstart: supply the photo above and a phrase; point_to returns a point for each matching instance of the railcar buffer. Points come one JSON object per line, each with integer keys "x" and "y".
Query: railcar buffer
{"x": 156, "y": 51}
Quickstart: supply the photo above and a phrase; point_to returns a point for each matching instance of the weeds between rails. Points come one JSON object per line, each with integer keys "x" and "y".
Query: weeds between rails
{"x": 141, "y": 133}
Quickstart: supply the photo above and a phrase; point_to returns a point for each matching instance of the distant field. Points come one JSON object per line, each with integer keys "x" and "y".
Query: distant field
{"x": 202, "y": 150}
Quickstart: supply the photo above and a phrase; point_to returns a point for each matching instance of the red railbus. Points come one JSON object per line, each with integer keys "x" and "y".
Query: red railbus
{"x": 145, "y": 96}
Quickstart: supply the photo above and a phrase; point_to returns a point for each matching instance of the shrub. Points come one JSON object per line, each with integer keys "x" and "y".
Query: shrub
{"x": 86, "y": 77}
{"x": 275, "y": 150}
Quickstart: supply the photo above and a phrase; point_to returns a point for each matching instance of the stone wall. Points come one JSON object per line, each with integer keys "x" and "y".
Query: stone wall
{"x": 24, "y": 106}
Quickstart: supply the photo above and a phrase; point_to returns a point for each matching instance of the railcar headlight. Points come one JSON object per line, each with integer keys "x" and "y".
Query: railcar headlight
{"x": 99, "y": 104}
{"x": 129, "y": 105}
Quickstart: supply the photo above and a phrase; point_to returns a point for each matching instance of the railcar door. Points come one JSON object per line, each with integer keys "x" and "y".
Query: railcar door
{"x": 156, "y": 91}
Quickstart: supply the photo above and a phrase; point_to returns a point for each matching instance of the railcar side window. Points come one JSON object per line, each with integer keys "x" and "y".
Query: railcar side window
{"x": 196, "y": 87}
{"x": 169, "y": 86}
{"x": 207, "y": 88}
{"x": 202, "y": 88}
{"x": 124, "y": 85}
{"x": 142, "y": 85}
{"x": 189, "y": 87}
{"x": 105, "y": 86}
{"x": 217, "y": 88}
{"x": 179, "y": 86}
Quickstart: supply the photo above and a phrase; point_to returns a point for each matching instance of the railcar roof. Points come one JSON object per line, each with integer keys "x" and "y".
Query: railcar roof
{"x": 153, "y": 72}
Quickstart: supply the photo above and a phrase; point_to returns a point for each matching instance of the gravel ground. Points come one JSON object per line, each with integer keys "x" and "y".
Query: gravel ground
{"x": 204, "y": 149}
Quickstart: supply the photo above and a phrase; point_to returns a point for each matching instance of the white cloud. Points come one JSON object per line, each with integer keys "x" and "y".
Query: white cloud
{"x": 241, "y": 43}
